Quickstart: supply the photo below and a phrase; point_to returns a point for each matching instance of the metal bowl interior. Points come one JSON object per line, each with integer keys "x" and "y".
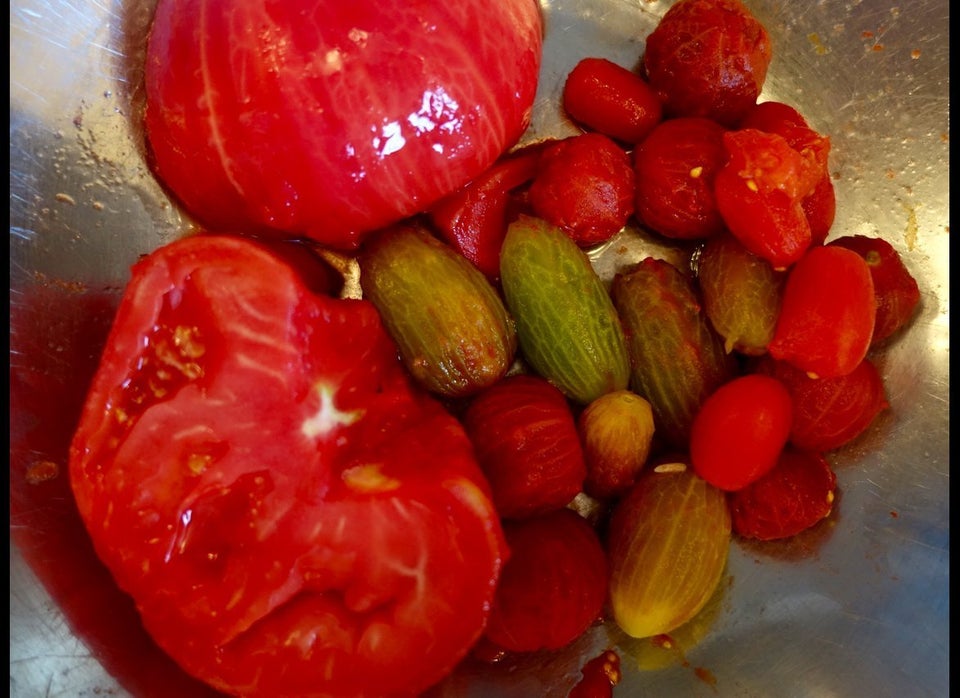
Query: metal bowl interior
{"x": 857, "y": 606}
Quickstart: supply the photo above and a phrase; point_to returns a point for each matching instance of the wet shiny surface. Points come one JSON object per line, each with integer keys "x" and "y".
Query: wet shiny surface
{"x": 856, "y": 607}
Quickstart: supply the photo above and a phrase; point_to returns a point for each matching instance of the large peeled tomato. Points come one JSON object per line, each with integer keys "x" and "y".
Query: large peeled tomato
{"x": 291, "y": 517}
{"x": 329, "y": 119}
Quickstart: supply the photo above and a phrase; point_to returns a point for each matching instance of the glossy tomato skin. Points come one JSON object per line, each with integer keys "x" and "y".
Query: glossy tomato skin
{"x": 828, "y": 313}
{"x": 585, "y": 185}
{"x": 553, "y": 585}
{"x": 527, "y": 444}
{"x": 256, "y": 470}
{"x": 610, "y": 99}
{"x": 796, "y": 494}
{"x": 829, "y": 412}
{"x": 760, "y": 192}
{"x": 708, "y": 58}
{"x": 740, "y": 430}
{"x": 897, "y": 292}
{"x": 474, "y": 219}
{"x": 675, "y": 166}
{"x": 267, "y": 116}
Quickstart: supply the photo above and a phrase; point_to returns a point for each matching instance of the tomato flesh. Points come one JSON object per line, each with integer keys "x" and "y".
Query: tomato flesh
{"x": 291, "y": 516}
{"x": 760, "y": 193}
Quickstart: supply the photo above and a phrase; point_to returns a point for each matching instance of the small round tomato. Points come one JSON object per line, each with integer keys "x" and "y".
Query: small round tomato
{"x": 527, "y": 443}
{"x": 610, "y": 99}
{"x": 675, "y": 166}
{"x": 708, "y": 58}
{"x": 740, "y": 430}
{"x": 897, "y": 292}
{"x": 553, "y": 585}
{"x": 585, "y": 186}
{"x": 796, "y": 494}
{"x": 828, "y": 313}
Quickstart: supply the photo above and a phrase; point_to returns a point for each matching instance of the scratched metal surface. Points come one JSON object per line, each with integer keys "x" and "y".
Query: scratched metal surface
{"x": 858, "y": 608}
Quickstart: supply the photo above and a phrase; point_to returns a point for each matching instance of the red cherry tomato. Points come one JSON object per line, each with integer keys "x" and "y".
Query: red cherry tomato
{"x": 897, "y": 292}
{"x": 291, "y": 516}
{"x": 553, "y": 585}
{"x": 708, "y": 58}
{"x": 829, "y": 412}
{"x": 795, "y": 495}
{"x": 610, "y": 99}
{"x": 675, "y": 167}
{"x": 828, "y": 313}
{"x": 740, "y": 430}
{"x": 528, "y": 446}
{"x": 586, "y": 187}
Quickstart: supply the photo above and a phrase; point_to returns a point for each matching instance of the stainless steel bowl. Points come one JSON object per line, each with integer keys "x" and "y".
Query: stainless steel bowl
{"x": 856, "y": 607}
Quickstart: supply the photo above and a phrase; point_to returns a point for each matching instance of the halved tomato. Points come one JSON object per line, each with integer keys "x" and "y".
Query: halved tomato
{"x": 290, "y": 515}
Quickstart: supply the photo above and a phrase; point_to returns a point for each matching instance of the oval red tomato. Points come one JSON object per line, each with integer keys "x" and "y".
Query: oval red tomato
{"x": 611, "y": 99}
{"x": 331, "y": 119}
{"x": 828, "y": 313}
{"x": 553, "y": 585}
{"x": 740, "y": 430}
{"x": 255, "y": 469}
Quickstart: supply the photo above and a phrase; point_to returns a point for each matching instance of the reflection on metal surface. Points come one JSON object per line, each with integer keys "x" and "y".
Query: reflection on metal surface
{"x": 862, "y": 610}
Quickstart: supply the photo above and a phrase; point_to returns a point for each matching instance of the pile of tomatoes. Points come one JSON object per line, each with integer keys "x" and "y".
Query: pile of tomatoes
{"x": 310, "y": 520}
{"x": 684, "y": 149}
